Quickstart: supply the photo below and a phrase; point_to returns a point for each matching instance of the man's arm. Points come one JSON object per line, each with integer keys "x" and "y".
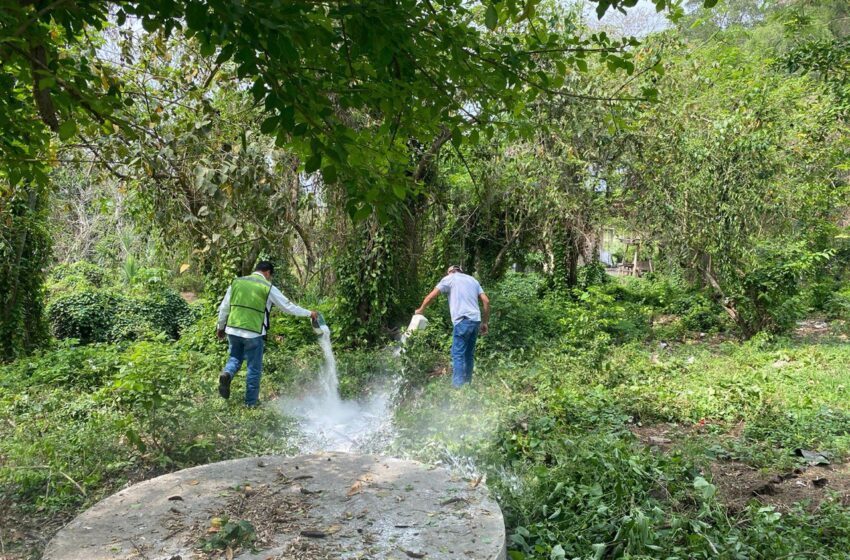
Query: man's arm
{"x": 485, "y": 315}
{"x": 427, "y": 301}
{"x": 223, "y": 314}
{"x": 280, "y": 300}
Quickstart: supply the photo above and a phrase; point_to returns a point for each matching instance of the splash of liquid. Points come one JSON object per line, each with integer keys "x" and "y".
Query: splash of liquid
{"x": 329, "y": 423}
{"x": 328, "y": 380}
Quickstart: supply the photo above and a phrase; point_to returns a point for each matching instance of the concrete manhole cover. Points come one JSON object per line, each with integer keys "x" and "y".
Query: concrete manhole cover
{"x": 323, "y": 506}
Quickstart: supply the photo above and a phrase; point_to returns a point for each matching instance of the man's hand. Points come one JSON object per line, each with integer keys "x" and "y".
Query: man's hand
{"x": 314, "y": 316}
{"x": 419, "y": 311}
{"x": 485, "y": 328}
{"x": 220, "y": 333}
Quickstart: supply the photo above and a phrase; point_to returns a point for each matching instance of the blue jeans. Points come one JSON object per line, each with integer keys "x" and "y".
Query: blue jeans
{"x": 251, "y": 351}
{"x": 464, "y": 335}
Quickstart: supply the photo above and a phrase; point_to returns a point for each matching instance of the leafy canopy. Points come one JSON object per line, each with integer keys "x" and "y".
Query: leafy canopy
{"x": 346, "y": 84}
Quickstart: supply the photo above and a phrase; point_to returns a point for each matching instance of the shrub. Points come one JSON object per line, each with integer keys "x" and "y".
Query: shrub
{"x": 85, "y": 315}
{"x": 838, "y": 305}
{"x": 768, "y": 297}
{"x": 698, "y": 311}
{"x": 93, "y": 315}
{"x": 162, "y": 311}
{"x": 75, "y": 277}
{"x": 592, "y": 275}
{"x": 521, "y": 315}
{"x": 90, "y": 272}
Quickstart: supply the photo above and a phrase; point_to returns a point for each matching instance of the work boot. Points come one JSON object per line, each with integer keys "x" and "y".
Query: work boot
{"x": 224, "y": 384}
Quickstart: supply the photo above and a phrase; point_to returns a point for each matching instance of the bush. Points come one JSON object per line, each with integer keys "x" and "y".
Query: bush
{"x": 838, "y": 305}
{"x": 521, "y": 314}
{"x": 101, "y": 315}
{"x": 698, "y": 311}
{"x": 769, "y": 297}
{"x": 85, "y": 315}
{"x": 75, "y": 277}
{"x": 80, "y": 270}
{"x": 592, "y": 275}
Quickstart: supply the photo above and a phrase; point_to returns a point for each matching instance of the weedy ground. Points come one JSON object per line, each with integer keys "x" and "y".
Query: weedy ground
{"x": 618, "y": 423}
{"x": 696, "y": 448}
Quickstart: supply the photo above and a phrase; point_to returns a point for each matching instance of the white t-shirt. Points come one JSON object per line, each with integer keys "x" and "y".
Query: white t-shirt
{"x": 463, "y": 291}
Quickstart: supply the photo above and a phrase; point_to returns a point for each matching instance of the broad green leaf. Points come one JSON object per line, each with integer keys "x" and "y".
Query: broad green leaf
{"x": 491, "y": 17}
{"x": 704, "y": 487}
{"x": 457, "y": 137}
{"x": 362, "y": 213}
{"x": 269, "y": 125}
{"x": 67, "y": 129}
{"x": 329, "y": 174}
{"x": 314, "y": 162}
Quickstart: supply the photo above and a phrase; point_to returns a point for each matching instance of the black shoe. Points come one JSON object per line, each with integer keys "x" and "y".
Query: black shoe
{"x": 224, "y": 384}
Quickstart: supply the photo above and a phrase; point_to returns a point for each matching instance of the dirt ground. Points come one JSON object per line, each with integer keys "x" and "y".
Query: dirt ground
{"x": 23, "y": 535}
{"x": 738, "y": 483}
{"x": 813, "y": 330}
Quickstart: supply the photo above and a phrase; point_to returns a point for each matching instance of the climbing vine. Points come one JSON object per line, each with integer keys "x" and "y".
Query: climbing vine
{"x": 24, "y": 256}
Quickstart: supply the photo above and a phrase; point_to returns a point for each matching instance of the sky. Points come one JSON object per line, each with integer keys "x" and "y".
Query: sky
{"x": 639, "y": 21}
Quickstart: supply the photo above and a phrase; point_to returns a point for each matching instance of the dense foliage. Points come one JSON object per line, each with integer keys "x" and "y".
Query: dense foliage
{"x": 152, "y": 150}
{"x": 87, "y": 306}
{"x": 559, "y": 433}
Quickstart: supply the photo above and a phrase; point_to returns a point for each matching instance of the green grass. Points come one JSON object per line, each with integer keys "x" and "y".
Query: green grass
{"x": 549, "y": 423}
{"x": 77, "y": 423}
{"x": 552, "y": 434}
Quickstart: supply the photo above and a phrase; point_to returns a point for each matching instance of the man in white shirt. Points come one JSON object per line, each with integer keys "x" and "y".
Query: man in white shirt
{"x": 244, "y": 317}
{"x": 463, "y": 291}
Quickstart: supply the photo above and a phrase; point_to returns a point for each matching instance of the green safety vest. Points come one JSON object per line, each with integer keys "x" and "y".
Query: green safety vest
{"x": 249, "y": 296}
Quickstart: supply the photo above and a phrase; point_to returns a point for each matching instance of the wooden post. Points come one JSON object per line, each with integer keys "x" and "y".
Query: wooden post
{"x": 635, "y": 261}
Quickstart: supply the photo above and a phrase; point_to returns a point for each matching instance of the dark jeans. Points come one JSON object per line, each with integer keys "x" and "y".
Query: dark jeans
{"x": 251, "y": 351}
{"x": 464, "y": 335}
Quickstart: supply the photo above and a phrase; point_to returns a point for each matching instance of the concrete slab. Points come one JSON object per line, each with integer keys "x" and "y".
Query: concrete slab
{"x": 327, "y": 505}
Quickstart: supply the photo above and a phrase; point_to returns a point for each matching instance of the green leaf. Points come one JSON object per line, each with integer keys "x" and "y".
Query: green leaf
{"x": 561, "y": 67}
{"x": 269, "y": 125}
{"x": 225, "y": 54}
{"x": 709, "y": 3}
{"x": 67, "y": 129}
{"x": 582, "y": 64}
{"x": 362, "y": 213}
{"x": 196, "y": 15}
{"x": 491, "y": 17}
{"x": 598, "y": 550}
{"x": 650, "y": 93}
{"x": 457, "y": 137}
{"x": 704, "y": 487}
{"x": 150, "y": 25}
{"x": 399, "y": 191}
{"x": 329, "y": 174}
{"x": 287, "y": 118}
{"x": 557, "y": 553}
{"x": 314, "y": 162}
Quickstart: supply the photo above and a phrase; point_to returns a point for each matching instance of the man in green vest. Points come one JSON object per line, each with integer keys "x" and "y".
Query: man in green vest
{"x": 244, "y": 317}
